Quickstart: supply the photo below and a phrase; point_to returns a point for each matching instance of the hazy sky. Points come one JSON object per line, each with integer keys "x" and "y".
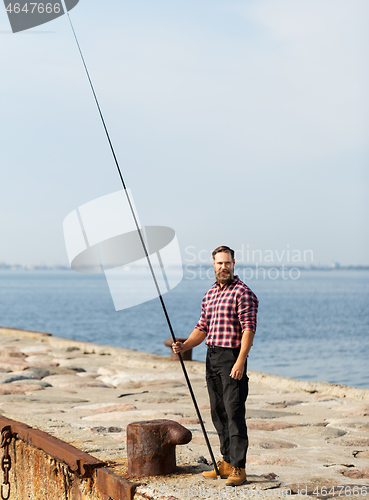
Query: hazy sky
{"x": 242, "y": 123}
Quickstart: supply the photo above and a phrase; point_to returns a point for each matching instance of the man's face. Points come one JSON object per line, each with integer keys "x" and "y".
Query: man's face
{"x": 223, "y": 267}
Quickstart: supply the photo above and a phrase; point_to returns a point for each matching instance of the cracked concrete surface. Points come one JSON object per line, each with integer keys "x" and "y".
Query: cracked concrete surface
{"x": 303, "y": 436}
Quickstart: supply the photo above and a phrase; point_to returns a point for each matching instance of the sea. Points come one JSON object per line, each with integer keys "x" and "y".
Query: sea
{"x": 312, "y": 325}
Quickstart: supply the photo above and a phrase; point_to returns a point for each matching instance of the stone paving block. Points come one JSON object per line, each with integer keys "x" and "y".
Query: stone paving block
{"x": 6, "y": 389}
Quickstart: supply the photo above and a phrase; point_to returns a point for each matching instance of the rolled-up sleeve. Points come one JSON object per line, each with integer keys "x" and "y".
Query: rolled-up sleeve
{"x": 247, "y": 308}
{"x": 202, "y": 323}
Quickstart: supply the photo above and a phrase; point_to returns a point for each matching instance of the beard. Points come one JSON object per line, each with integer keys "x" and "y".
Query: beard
{"x": 224, "y": 277}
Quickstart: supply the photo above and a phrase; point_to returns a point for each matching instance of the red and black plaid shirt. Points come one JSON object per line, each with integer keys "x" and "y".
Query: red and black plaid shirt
{"x": 226, "y": 312}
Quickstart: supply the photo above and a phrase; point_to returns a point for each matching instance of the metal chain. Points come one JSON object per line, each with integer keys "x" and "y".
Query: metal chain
{"x": 6, "y": 462}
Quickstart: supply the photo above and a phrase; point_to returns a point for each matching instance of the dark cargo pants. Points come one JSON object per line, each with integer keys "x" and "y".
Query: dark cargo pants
{"x": 227, "y": 402}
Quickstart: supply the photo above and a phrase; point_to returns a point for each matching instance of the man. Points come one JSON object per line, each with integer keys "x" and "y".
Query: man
{"x": 228, "y": 323}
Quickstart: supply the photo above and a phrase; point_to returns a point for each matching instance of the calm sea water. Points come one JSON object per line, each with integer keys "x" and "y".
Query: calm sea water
{"x": 312, "y": 328}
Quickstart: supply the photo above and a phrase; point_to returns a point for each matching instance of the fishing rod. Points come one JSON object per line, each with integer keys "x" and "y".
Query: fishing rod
{"x": 147, "y": 257}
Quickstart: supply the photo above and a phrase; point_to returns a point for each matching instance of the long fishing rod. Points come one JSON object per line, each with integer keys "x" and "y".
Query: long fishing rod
{"x": 147, "y": 258}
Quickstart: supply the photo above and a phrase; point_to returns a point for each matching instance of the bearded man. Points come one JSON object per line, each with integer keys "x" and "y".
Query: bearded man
{"x": 228, "y": 323}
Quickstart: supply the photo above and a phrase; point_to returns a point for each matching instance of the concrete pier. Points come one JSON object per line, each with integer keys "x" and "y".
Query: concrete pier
{"x": 309, "y": 439}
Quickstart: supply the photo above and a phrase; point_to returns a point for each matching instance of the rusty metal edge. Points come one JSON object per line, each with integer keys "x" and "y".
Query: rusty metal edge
{"x": 114, "y": 486}
{"x": 81, "y": 463}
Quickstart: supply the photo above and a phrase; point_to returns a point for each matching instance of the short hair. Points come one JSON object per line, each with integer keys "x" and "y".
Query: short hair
{"x": 225, "y": 249}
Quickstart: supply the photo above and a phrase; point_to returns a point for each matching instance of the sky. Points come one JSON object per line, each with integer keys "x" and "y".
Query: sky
{"x": 240, "y": 123}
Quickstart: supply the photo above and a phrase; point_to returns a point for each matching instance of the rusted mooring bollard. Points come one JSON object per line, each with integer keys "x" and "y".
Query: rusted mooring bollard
{"x": 151, "y": 446}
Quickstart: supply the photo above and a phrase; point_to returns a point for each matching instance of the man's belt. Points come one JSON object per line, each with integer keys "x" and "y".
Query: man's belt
{"x": 214, "y": 348}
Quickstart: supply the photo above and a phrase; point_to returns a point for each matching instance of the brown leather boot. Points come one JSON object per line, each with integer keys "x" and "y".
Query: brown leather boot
{"x": 224, "y": 469}
{"x": 236, "y": 477}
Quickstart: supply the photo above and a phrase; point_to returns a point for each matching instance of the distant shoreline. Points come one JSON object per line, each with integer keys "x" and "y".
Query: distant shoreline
{"x": 31, "y": 267}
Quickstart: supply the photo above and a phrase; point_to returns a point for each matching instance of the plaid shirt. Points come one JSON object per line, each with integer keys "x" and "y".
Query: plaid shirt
{"x": 226, "y": 312}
